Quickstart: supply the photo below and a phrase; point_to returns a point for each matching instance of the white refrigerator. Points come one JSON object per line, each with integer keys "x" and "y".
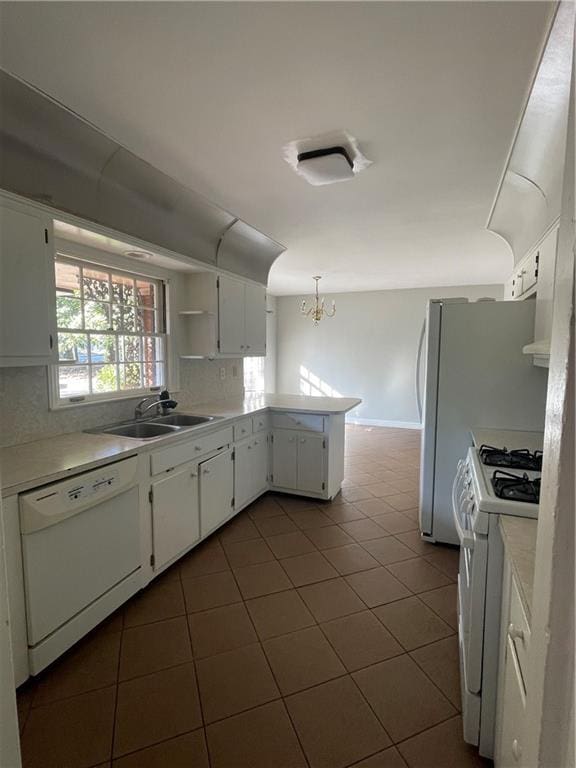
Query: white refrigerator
{"x": 475, "y": 376}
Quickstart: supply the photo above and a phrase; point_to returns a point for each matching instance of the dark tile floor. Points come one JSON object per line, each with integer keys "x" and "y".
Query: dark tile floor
{"x": 301, "y": 634}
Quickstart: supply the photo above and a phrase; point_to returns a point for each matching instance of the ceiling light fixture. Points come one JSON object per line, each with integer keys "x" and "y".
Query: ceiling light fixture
{"x": 325, "y": 166}
{"x": 138, "y": 254}
{"x": 317, "y": 311}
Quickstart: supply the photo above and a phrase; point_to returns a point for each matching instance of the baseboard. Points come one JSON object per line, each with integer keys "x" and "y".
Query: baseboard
{"x": 383, "y": 423}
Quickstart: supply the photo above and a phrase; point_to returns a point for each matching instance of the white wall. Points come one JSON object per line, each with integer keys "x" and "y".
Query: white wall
{"x": 367, "y": 350}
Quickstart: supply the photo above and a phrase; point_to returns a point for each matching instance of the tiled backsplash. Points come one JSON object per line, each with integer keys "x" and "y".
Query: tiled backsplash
{"x": 25, "y": 415}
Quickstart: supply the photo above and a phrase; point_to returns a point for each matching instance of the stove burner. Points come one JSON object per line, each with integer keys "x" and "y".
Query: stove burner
{"x": 516, "y": 487}
{"x": 518, "y": 459}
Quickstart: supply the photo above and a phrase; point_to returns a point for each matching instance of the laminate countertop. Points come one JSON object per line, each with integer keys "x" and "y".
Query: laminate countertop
{"x": 28, "y": 465}
{"x": 519, "y": 537}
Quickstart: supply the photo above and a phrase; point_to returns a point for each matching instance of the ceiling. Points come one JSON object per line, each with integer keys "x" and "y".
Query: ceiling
{"x": 210, "y": 92}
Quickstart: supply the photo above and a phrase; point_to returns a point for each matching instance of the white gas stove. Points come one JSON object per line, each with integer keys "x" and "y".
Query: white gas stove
{"x": 480, "y": 493}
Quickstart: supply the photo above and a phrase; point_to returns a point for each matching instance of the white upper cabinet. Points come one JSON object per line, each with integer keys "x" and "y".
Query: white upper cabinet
{"x": 231, "y": 311}
{"x": 226, "y": 317}
{"x": 255, "y": 320}
{"x": 27, "y": 292}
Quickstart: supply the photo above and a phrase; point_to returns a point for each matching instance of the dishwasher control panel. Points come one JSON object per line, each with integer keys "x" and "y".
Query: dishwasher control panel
{"x": 98, "y": 485}
{"x": 52, "y": 503}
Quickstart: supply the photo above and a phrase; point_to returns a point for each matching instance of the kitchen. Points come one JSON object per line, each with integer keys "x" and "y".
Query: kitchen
{"x": 272, "y": 446}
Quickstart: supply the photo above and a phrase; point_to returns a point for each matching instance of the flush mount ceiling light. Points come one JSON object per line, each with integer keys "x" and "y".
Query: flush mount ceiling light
{"x": 138, "y": 254}
{"x": 317, "y": 311}
{"x": 325, "y": 166}
{"x": 327, "y": 158}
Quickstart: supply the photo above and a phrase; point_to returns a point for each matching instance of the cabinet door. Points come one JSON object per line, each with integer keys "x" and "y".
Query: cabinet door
{"x": 513, "y": 710}
{"x": 216, "y": 491}
{"x": 310, "y": 462}
{"x": 285, "y": 458}
{"x": 545, "y": 292}
{"x": 243, "y": 473}
{"x": 175, "y": 519}
{"x": 27, "y": 294}
{"x": 255, "y": 314}
{"x": 231, "y": 302}
{"x": 259, "y": 464}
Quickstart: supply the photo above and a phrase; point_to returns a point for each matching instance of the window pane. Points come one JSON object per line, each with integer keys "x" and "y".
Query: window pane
{"x": 128, "y": 319}
{"x": 68, "y": 312}
{"x": 152, "y": 349}
{"x": 116, "y": 317}
{"x": 96, "y": 285}
{"x": 73, "y": 347}
{"x": 67, "y": 279}
{"x": 96, "y": 316}
{"x": 102, "y": 348}
{"x": 145, "y": 294}
{"x": 104, "y": 378}
{"x": 153, "y": 374}
{"x": 146, "y": 321}
{"x": 254, "y": 374}
{"x": 122, "y": 289}
{"x": 130, "y": 348}
{"x": 131, "y": 376}
{"x": 73, "y": 380}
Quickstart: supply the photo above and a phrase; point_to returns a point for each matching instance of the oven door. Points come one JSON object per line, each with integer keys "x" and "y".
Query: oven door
{"x": 471, "y": 580}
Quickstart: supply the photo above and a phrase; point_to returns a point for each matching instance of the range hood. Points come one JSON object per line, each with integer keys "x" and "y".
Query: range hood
{"x": 51, "y": 155}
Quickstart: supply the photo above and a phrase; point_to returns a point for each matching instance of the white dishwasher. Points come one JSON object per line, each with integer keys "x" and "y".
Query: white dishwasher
{"x": 81, "y": 555}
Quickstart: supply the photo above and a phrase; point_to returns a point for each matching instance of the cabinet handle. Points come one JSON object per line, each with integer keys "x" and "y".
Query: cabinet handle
{"x": 193, "y": 474}
{"x": 197, "y": 448}
{"x": 247, "y": 346}
{"x": 206, "y": 471}
{"x": 249, "y": 447}
{"x": 303, "y": 440}
{"x": 514, "y": 633}
{"x": 516, "y": 750}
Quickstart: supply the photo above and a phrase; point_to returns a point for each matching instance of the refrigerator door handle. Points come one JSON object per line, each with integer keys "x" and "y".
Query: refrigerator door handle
{"x": 418, "y": 370}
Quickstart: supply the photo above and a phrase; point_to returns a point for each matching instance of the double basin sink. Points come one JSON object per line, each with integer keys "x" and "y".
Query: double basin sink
{"x": 157, "y": 426}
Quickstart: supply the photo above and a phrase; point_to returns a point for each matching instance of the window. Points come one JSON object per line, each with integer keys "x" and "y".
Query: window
{"x": 111, "y": 336}
{"x": 254, "y": 374}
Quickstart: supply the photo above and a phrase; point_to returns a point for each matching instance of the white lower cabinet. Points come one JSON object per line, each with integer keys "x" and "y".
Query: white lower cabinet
{"x": 250, "y": 469}
{"x": 511, "y": 707}
{"x": 298, "y": 461}
{"x": 175, "y": 513}
{"x": 216, "y": 491}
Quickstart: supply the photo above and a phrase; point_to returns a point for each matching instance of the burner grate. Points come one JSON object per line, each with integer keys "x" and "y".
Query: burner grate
{"x": 521, "y": 458}
{"x": 516, "y": 487}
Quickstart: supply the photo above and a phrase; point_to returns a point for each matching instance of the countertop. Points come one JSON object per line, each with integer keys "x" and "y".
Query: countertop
{"x": 513, "y": 439}
{"x": 27, "y": 465}
{"x": 519, "y": 537}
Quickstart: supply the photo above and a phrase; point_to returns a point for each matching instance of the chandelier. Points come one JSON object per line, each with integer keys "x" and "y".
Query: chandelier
{"x": 317, "y": 311}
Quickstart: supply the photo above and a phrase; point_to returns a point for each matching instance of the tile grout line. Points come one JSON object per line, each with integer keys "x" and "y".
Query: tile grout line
{"x": 269, "y": 665}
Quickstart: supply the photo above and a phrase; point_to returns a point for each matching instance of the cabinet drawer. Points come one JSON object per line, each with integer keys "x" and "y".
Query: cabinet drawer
{"x": 242, "y": 429}
{"x": 518, "y": 629}
{"x": 174, "y": 455}
{"x": 259, "y": 423}
{"x": 310, "y": 421}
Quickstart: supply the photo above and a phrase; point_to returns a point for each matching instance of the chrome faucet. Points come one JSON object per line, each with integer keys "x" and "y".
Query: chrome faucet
{"x": 163, "y": 402}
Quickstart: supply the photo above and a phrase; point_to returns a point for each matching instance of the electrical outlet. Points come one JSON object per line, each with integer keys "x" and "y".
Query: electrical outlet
{"x": 234, "y": 371}
{"x": 222, "y": 373}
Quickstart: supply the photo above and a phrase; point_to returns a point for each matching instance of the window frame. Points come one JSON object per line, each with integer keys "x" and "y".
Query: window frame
{"x": 56, "y": 401}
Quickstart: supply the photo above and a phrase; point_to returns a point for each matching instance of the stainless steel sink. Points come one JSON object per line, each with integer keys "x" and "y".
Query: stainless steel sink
{"x": 142, "y": 430}
{"x": 182, "y": 420}
{"x": 158, "y": 426}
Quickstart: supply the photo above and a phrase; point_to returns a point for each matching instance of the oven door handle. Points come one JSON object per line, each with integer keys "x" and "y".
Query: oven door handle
{"x": 466, "y": 538}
